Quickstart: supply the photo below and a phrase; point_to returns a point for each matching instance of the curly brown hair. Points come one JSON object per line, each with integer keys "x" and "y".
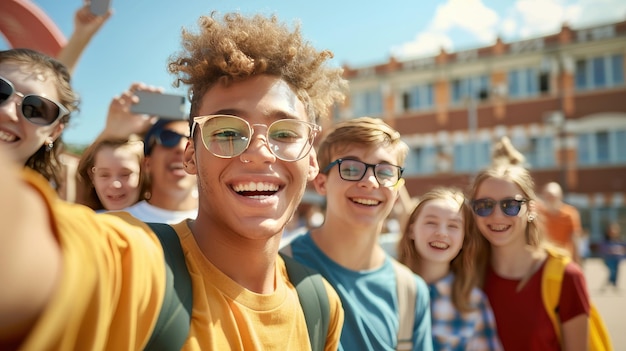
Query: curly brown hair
{"x": 237, "y": 47}
{"x": 47, "y": 161}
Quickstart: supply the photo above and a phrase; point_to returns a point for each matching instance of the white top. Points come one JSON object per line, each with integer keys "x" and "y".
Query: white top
{"x": 149, "y": 213}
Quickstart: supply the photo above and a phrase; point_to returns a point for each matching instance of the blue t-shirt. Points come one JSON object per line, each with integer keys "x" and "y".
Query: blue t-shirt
{"x": 369, "y": 300}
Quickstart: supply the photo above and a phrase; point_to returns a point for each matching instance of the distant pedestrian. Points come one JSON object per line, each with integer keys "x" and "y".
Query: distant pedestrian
{"x": 613, "y": 250}
{"x": 561, "y": 220}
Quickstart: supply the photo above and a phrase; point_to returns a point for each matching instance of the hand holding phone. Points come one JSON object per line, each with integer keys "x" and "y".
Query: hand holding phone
{"x": 168, "y": 106}
{"x": 99, "y": 7}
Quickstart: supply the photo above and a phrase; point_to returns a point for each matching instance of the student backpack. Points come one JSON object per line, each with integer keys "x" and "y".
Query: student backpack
{"x": 407, "y": 296}
{"x": 173, "y": 324}
{"x": 599, "y": 339}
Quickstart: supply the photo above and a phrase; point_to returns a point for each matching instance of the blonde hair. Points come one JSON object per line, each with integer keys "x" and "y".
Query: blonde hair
{"x": 521, "y": 177}
{"x": 463, "y": 265}
{"x": 505, "y": 152}
{"x": 365, "y": 132}
{"x": 236, "y": 48}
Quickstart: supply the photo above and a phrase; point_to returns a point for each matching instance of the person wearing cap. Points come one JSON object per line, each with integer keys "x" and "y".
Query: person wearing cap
{"x": 172, "y": 193}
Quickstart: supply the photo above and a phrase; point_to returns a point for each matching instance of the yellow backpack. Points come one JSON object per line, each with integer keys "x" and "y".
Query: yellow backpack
{"x": 599, "y": 339}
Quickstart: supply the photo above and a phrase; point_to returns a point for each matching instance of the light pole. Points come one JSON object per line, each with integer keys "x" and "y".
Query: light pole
{"x": 472, "y": 126}
{"x": 556, "y": 119}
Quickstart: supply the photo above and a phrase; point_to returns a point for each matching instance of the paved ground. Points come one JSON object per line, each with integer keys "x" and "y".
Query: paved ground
{"x": 610, "y": 303}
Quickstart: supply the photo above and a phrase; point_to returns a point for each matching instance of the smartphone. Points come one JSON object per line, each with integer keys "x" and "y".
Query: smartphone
{"x": 99, "y": 7}
{"x": 168, "y": 106}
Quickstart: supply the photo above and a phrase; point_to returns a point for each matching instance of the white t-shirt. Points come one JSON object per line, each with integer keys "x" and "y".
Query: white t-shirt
{"x": 149, "y": 213}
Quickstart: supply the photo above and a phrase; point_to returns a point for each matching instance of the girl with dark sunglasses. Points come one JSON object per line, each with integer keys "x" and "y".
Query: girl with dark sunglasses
{"x": 36, "y": 100}
{"x": 504, "y": 204}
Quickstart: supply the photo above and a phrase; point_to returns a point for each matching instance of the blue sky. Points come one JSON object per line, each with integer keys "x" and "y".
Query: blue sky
{"x": 135, "y": 43}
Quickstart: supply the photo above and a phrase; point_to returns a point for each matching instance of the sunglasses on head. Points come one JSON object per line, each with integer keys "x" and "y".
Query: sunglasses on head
{"x": 229, "y": 136}
{"x": 168, "y": 138}
{"x": 509, "y": 206}
{"x": 35, "y": 108}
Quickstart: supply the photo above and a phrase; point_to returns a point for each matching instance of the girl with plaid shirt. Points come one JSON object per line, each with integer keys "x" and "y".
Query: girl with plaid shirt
{"x": 436, "y": 245}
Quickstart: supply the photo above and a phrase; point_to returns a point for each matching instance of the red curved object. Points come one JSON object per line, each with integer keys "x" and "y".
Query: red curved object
{"x": 25, "y": 25}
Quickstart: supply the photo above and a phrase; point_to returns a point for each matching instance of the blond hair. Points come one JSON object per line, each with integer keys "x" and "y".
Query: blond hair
{"x": 463, "y": 265}
{"x": 366, "y": 132}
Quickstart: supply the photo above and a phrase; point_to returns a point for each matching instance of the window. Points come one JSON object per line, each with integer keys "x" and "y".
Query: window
{"x": 620, "y": 145}
{"x": 603, "y": 154}
{"x": 541, "y": 151}
{"x": 367, "y": 103}
{"x": 602, "y": 148}
{"x": 462, "y": 157}
{"x": 600, "y": 72}
{"x": 523, "y": 83}
{"x": 418, "y": 98}
{"x": 471, "y": 155}
{"x": 420, "y": 160}
{"x": 585, "y": 149}
{"x": 475, "y": 86}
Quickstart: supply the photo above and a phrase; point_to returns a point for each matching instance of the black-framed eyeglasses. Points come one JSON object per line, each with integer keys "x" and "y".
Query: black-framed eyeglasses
{"x": 229, "y": 136}
{"x": 386, "y": 174}
{"x": 169, "y": 138}
{"x": 509, "y": 206}
{"x": 35, "y": 108}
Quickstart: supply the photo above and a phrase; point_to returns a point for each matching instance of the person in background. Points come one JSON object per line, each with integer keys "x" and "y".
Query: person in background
{"x": 258, "y": 79}
{"x": 504, "y": 204}
{"x": 562, "y": 220}
{"x": 437, "y": 246}
{"x": 613, "y": 251}
{"x": 36, "y": 100}
{"x": 111, "y": 175}
{"x": 362, "y": 160}
{"x": 168, "y": 193}
{"x": 86, "y": 25}
{"x": 172, "y": 194}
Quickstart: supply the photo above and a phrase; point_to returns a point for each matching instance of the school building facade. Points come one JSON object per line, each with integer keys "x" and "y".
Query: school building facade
{"x": 560, "y": 98}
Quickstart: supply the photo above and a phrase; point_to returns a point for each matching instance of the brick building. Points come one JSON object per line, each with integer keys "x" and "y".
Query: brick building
{"x": 560, "y": 98}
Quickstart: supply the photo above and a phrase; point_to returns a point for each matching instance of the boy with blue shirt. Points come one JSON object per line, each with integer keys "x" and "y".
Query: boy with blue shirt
{"x": 360, "y": 162}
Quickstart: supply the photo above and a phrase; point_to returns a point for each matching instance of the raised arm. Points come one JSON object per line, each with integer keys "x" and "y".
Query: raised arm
{"x": 29, "y": 255}
{"x": 86, "y": 25}
{"x": 121, "y": 123}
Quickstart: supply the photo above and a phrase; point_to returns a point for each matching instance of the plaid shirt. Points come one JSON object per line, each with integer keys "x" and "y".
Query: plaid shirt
{"x": 452, "y": 330}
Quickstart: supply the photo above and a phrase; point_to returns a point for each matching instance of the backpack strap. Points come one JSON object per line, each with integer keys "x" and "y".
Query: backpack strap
{"x": 313, "y": 298}
{"x": 407, "y": 295}
{"x": 551, "y": 281}
{"x": 172, "y": 327}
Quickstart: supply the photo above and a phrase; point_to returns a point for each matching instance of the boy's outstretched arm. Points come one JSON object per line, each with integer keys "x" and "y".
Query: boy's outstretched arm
{"x": 30, "y": 258}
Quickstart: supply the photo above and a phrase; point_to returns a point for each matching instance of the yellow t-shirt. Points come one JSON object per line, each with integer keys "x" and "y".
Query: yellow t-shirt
{"x": 113, "y": 282}
{"x": 227, "y": 316}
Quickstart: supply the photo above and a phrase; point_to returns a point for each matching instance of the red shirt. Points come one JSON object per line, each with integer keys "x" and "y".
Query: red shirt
{"x": 521, "y": 318}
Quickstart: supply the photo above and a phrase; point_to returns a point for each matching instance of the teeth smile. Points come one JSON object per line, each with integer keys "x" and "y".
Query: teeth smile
{"x": 498, "y": 228}
{"x": 4, "y": 136}
{"x": 254, "y": 186}
{"x": 367, "y": 202}
{"x": 439, "y": 245}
